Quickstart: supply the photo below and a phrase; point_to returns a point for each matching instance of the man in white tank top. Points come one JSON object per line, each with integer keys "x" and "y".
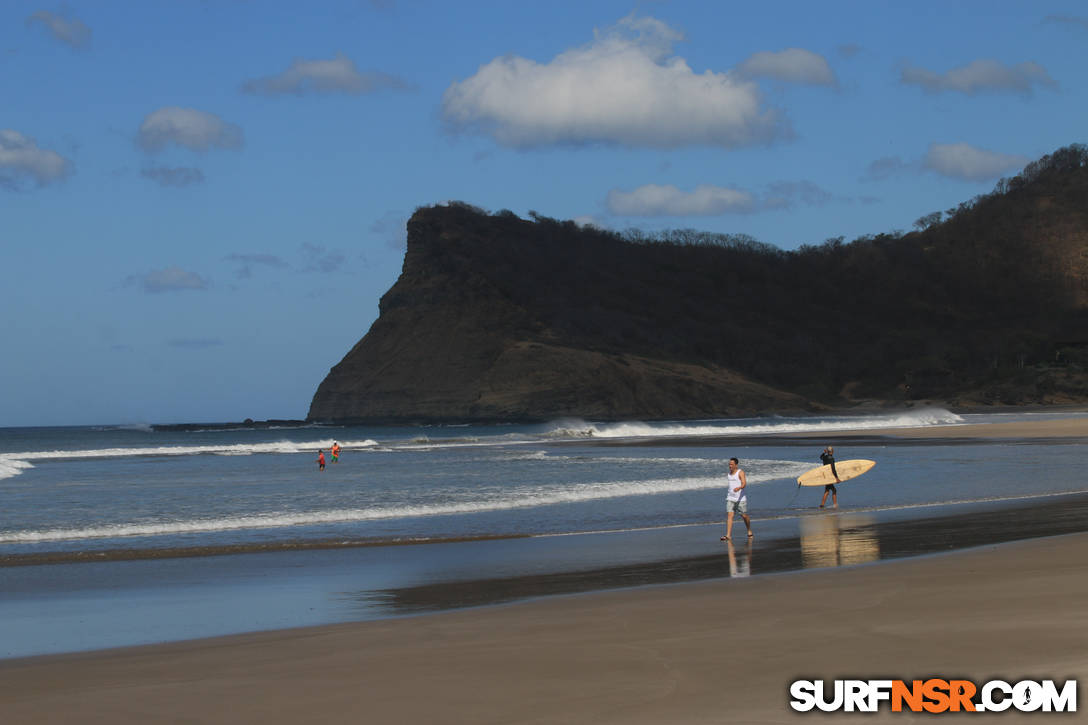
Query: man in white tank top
{"x": 736, "y": 500}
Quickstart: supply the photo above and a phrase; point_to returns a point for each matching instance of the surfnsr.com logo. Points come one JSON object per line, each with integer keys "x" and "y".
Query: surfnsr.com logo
{"x": 933, "y": 695}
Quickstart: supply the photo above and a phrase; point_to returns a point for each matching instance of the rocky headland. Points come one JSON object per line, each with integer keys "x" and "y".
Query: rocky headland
{"x": 499, "y": 318}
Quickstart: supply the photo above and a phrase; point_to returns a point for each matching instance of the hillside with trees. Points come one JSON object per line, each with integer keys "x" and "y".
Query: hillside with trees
{"x": 495, "y": 317}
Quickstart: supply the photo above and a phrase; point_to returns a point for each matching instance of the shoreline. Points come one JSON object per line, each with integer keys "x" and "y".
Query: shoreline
{"x": 646, "y": 655}
{"x": 876, "y": 519}
{"x": 144, "y": 600}
{"x": 1035, "y": 429}
{"x": 818, "y": 542}
{"x": 179, "y": 552}
{"x": 1068, "y": 430}
{"x": 654, "y": 641}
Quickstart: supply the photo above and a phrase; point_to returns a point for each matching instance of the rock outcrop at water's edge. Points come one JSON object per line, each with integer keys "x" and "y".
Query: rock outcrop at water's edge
{"x": 499, "y": 318}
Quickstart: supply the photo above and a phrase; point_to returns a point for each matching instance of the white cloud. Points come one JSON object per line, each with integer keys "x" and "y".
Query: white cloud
{"x": 21, "y": 159}
{"x": 963, "y": 161}
{"x": 708, "y": 200}
{"x": 980, "y": 76}
{"x": 170, "y": 279}
{"x": 623, "y": 88}
{"x": 188, "y": 127}
{"x": 792, "y": 65}
{"x": 667, "y": 200}
{"x": 73, "y": 32}
{"x": 338, "y": 75}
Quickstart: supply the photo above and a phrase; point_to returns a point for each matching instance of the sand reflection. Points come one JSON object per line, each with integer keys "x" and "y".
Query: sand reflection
{"x": 740, "y": 563}
{"x": 838, "y": 541}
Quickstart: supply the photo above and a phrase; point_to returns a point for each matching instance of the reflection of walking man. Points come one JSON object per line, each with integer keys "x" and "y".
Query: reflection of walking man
{"x": 828, "y": 459}
{"x": 745, "y": 566}
{"x": 735, "y": 499}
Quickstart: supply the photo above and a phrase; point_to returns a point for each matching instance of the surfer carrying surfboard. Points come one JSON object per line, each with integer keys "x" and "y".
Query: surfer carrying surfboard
{"x": 735, "y": 499}
{"x": 828, "y": 459}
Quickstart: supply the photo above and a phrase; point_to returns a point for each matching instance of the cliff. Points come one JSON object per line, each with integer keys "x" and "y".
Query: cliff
{"x": 499, "y": 318}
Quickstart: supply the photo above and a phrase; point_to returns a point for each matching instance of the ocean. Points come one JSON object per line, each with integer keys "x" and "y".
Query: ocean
{"x": 118, "y": 535}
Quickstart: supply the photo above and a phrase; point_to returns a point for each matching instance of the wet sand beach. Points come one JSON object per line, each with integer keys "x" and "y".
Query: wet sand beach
{"x": 723, "y": 649}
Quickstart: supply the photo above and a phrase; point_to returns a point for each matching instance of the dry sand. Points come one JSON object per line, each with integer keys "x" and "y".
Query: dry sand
{"x": 710, "y": 652}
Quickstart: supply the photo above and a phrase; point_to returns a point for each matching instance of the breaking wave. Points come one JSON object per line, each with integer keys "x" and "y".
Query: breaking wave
{"x": 497, "y": 499}
{"x": 753, "y": 426}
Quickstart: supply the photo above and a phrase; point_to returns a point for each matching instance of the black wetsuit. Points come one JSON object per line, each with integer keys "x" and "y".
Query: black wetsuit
{"x": 829, "y": 460}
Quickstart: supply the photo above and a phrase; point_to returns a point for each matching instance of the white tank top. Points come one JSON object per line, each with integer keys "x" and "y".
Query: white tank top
{"x": 734, "y": 482}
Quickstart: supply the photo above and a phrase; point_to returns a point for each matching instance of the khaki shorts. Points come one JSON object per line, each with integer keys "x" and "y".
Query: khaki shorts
{"x": 738, "y": 506}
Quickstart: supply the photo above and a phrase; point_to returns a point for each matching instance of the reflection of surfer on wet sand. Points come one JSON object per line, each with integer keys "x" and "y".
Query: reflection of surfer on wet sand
{"x": 838, "y": 540}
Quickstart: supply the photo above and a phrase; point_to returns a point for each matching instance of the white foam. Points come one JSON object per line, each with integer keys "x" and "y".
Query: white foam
{"x": 12, "y": 467}
{"x": 563, "y": 429}
{"x": 636, "y": 429}
{"x": 535, "y": 456}
{"x": 482, "y": 502}
{"x": 239, "y": 449}
{"x": 545, "y": 456}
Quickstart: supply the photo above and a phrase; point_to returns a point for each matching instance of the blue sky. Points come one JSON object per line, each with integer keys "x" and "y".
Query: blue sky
{"x": 201, "y": 203}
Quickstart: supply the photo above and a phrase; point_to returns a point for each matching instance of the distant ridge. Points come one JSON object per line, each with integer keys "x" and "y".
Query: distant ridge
{"x": 499, "y": 318}
{"x": 247, "y": 424}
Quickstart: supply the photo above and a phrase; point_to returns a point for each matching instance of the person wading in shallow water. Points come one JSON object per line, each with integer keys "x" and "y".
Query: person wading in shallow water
{"x": 321, "y": 460}
{"x": 828, "y": 459}
{"x": 736, "y": 500}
